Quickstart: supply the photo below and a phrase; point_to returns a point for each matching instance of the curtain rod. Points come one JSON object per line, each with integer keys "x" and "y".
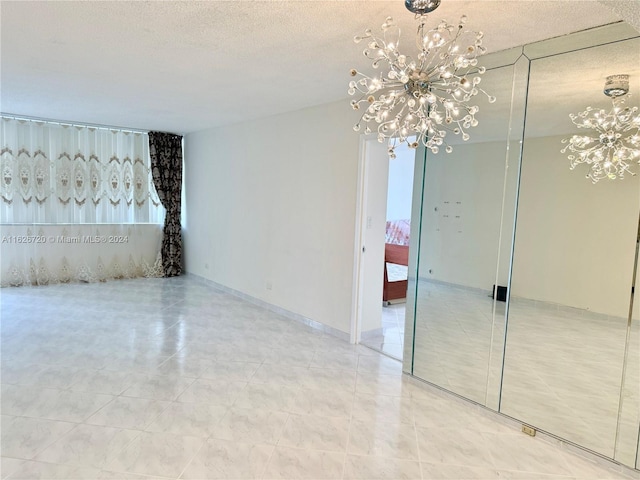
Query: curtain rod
{"x": 71, "y": 124}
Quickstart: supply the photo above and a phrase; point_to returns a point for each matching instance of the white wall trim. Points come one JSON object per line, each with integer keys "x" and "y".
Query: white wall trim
{"x": 361, "y": 201}
{"x": 334, "y": 332}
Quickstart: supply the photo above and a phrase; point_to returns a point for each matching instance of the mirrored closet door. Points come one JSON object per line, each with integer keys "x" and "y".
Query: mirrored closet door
{"x": 573, "y": 260}
{"x": 524, "y": 269}
{"x": 459, "y": 322}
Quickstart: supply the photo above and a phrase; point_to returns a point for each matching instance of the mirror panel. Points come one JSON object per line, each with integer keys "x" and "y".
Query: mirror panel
{"x": 580, "y": 40}
{"x": 632, "y": 382}
{"x": 573, "y": 261}
{"x": 412, "y": 272}
{"x": 507, "y": 231}
{"x": 563, "y": 247}
{"x": 628, "y": 434}
{"x": 461, "y": 227}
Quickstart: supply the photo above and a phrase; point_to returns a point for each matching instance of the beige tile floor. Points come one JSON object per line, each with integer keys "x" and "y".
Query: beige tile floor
{"x": 390, "y": 338}
{"x": 168, "y": 379}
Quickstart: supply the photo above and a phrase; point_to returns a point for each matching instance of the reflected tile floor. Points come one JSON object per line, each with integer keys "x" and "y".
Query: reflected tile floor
{"x": 562, "y": 370}
{"x": 169, "y": 378}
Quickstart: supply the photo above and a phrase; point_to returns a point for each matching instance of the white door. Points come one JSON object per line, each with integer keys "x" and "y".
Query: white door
{"x": 371, "y": 225}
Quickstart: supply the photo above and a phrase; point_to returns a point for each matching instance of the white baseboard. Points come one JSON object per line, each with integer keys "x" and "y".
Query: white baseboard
{"x": 334, "y": 332}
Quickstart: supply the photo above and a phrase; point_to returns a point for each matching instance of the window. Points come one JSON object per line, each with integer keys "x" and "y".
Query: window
{"x": 67, "y": 174}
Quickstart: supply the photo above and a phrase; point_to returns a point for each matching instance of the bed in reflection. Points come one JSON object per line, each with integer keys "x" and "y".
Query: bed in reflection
{"x": 396, "y": 261}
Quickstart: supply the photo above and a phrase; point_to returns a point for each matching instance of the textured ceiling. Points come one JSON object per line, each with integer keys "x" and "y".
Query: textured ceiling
{"x": 186, "y": 66}
{"x": 569, "y": 83}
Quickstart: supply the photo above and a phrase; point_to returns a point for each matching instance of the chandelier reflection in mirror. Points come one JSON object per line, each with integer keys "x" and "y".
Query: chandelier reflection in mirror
{"x": 614, "y": 143}
{"x": 428, "y": 95}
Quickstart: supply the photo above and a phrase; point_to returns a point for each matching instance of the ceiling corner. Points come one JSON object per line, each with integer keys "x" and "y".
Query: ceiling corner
{"x": 629, "y": 10}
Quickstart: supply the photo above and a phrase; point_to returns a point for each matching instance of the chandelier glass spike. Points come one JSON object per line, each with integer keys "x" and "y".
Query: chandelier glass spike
{"x": 427, "y": 95}
{"x": 613, "y": 143}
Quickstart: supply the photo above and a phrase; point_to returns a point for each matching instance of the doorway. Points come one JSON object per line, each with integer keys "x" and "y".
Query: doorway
{"x": 386, "y": 191}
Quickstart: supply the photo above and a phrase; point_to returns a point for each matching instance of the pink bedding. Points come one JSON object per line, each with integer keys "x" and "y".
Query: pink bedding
{"x": 398, "y": 232}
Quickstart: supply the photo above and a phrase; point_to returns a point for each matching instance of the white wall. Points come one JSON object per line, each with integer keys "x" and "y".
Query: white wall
{"x": 575, "y": 241}
{"x": 264, "y": 211}
{"x": 271, "y": 210}
{"x": 400, "y": 186}
{"x": 461, "y": 214}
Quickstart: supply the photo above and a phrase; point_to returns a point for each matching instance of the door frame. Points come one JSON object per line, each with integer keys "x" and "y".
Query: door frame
{"x": 373, "y": 164}
{"x": 362, "y": 199}
{"x": 355, "y": 331}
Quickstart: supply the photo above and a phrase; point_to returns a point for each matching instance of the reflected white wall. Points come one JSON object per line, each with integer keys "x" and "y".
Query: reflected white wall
{"x": 462, "y": 212}
{"x": 575, "y": 241}
{"x": 399, "y": 194}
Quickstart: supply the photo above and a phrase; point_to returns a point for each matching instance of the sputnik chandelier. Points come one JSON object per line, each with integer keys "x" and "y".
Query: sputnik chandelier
{"x": 614, "y": 143}
{"x": 426, "y": 96}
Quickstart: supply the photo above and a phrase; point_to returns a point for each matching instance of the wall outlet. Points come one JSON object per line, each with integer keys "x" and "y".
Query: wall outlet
{"x": 206, "y": 266}
{"x": 529, "y": 430}
{"x": 269, "y": 286}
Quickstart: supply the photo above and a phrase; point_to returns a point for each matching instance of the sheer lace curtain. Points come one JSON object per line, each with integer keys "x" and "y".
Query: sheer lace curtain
{"x": 76, "y": 204}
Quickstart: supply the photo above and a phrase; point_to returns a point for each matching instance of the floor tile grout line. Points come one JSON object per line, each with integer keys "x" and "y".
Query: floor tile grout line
{"x": 264, "y": 361}
{"x": 415, "y": 432}
{"x": 188, "y": 464}
{"x": 273, "y": 451}
{"x": 75, "y": 426}
{"x": 353, "y": 406}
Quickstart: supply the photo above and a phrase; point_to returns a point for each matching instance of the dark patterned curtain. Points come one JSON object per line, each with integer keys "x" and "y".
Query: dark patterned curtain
{"x": 165, "y": 150}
